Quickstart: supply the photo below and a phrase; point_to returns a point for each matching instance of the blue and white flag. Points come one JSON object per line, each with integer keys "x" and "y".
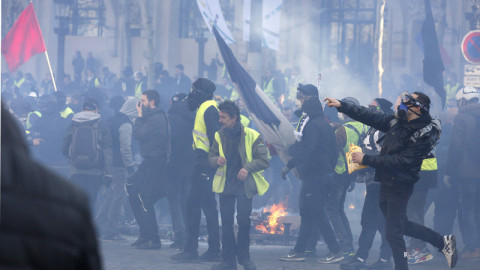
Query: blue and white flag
{"x": 268, "y": 119}
{"x": 271, "y": 15}
{"x": 212, "y": 14}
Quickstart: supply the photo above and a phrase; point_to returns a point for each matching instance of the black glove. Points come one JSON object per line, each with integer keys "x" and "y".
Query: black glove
{"x": 284, "y": 172}
{"x": 107, "y": 180}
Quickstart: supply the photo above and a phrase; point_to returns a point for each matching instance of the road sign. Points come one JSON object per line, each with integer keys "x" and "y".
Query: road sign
{"x": 471, "y": 47}
{"x": 473, "y": 81}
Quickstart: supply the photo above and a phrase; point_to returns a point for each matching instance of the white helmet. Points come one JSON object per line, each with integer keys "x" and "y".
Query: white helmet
{"x": 467, "y": 93}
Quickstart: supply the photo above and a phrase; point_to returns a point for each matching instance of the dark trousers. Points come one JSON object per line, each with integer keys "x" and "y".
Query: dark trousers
{"x": 109, "y": 213}
{"x": 337, "y": 192}
{"x": 416, "y": 213}
{"x": 313, "y": 195}
{"x": 90, "y": 184}
{"x": 470, "y": 204}
{"x": 202, "y": 198}
{"x": 393, "y": 203}
{"x": 232, "y": 247}
{"x": 144, "y": 189}
{"x": 372, "y": 221}
{"x": 179, "y": 188}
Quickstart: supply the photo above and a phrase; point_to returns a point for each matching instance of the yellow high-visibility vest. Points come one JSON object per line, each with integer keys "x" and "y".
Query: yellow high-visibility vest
{"x": 29, "y": 124}
{"x": 138, "y": 90}
{"x": 65, "y": 113}
{"x": 218, "y": 184}
{"x": 200, "y": 138}
{"x": 429, "y": 164}
{"x": 352, "y": 137}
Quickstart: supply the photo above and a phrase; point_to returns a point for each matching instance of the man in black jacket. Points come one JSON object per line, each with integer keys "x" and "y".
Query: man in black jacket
{"x": 314, "y": 156}
{"x": 148, "y": 184}
{"x": 46, "y": 223}
{"x": 462, "y": 166}
{"x": 201, "y": 196}
{"x": 180, "y": 165}
{"x": 409, "y": 138}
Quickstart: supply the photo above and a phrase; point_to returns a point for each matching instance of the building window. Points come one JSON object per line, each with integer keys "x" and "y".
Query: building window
{"x": 88, "y": 18}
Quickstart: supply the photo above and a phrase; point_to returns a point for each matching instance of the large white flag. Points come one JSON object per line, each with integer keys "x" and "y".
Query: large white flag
{"x": 212, "y": 14}
{"x": 271, "y": 12}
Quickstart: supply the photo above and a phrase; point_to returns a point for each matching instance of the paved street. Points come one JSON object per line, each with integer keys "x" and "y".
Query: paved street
{"x": 120, "y": 255}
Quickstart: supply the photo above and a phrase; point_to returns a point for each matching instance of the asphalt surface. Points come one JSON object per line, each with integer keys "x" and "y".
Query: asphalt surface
{"x": 119, "y": 255}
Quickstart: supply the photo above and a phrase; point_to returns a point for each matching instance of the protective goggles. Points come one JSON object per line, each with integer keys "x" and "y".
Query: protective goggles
{"x": 408, "y": 100}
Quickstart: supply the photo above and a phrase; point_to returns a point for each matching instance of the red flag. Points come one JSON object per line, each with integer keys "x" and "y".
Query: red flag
{"x": 24, "y": 40}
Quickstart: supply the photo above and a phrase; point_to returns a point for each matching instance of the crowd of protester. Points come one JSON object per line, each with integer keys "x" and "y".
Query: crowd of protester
{"x": 128, "y": 121}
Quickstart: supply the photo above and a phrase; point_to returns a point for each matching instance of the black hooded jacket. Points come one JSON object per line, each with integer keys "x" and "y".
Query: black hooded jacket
{"x": 45, "y": 221}
{"x": 316, "y": 153}
{"x": 404, "y": 147}
{"x": 181, "y": 123}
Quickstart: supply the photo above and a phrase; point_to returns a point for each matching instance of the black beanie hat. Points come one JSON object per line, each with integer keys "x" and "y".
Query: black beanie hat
{"x": 384, "y": 104}
{"x": 204, "y": 85}
{"x": 308, "y": 90}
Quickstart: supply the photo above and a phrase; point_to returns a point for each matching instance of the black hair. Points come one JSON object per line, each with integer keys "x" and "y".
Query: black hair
{"x": 229, "y": 107}
{"x": 179, "y": 66}
{"x": 90, "y": 104}
{"x": 424, "y": 100}
{"x": 152, "y": 95}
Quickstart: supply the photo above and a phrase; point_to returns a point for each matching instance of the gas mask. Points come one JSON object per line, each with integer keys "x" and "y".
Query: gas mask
{"x": 403, "y": 108}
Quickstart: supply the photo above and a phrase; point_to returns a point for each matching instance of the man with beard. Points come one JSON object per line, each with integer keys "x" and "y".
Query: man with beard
{"x": 314, "y": 156}
{"x": 148, "y": 184}
{"x": 240, "y": 156}
{"x": 410, "y": 135}
{"x": 201, "y": 196}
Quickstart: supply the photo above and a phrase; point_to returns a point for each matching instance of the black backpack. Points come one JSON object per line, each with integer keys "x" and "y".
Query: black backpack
{"x": 85, "y": 150}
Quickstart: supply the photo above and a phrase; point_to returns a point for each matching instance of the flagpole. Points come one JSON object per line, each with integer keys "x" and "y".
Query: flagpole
{"x": 51, "y": 72}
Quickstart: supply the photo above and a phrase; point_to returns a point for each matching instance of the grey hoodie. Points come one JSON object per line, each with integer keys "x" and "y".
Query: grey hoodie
{"x": 105, "y": 142}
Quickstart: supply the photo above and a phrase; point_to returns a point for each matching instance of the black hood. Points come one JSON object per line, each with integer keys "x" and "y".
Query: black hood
{"x": 312, "y": 107}
{"x": 181, "y": 109}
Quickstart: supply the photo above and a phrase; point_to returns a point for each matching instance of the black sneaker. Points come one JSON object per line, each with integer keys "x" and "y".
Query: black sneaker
{"x": 140, "y": 240}
{"x": 210, "y": 256}
{"x": 247, "y": 264}
{"x": 292, "y": 256}
{"x": 381, "y": 264}
{"x": 450, "y": 250}
{"x": 185, "y": 257}
{"x": 225, "y": 266}
{"x": 332, "y": 257}
{"x": 150, "y": 244}
{"x": 353, "y": 263}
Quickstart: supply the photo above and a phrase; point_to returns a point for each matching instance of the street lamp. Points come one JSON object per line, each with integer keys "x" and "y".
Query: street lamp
{"x": 200, "y": 38}
{"x": 62, "y": 13}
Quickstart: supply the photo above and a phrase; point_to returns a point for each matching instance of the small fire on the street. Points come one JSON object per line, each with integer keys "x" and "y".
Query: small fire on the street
{"x": 270, "y": 225}
{"x": 351, "y": 206}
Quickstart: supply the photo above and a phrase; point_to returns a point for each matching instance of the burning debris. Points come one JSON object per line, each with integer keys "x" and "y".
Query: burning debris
{"x": 267, "y": 221}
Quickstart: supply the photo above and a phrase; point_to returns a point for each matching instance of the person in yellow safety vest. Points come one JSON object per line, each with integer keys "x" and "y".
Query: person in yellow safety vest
{"x": 417, "y": 251}
{"x": 140, "y": 84}
{"x": 19, "y": 79}
{"x": 91, "y": 81}
{"x": 293, "y": 82}
{"x": 31, "y": 119}
{"x": 64, "y": 110}
{"x": 268, "y": 85}
{"x": 349, "y": 132}
{"x": 201, "y": 196}
{"x": 239, "y": 156}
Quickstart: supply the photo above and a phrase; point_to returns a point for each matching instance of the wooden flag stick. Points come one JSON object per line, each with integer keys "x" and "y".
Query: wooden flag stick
{"x": 51, "y": 72}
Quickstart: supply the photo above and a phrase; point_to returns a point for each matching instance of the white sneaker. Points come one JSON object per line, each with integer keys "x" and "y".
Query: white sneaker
{"x": 450, "y": 250}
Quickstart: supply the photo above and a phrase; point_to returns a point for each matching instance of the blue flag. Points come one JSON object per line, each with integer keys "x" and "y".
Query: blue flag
{"x": 432, "y": 62}
{"x": 245, "y": 83}
{"x": 268, "y": 119}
